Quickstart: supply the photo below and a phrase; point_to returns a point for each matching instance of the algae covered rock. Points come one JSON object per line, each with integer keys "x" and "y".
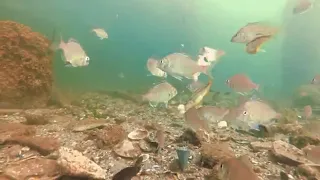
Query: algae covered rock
{"x": 25, "y": 66}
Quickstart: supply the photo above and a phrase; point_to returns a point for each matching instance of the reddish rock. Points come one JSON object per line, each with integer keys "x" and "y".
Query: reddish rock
{"x": 37, "y": 167}
{"x": 25, "y": 66}
{"x": 45, "y": 145}
{"x": 8, "y": 130}
{"x": 3, "y": 177}
{"x": 109, "y": 136}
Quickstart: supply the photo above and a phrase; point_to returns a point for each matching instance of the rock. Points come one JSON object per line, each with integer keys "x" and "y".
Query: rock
{"x": 45, "y": 145}
{"x": 36, "y": 117}
{"x": 222, "y": 124}
{"x": 37, "y": 167}
{"x": 127, "y": 149}
{"x": 147, "y": 146}
{"x": 8, "y": 130}
{"x": 312, "y": 153}
{"x": 213, "y": 153}
{"x": 194, "y": 137}
{"x": 138, "y": 134}
{"x": 73, "y": 163}
{"x": 25, "y": 66}
{"x": 288, "y": 154}
{"x": 303, "y": 140}
{"x": 308, "y": 171}
{"x": 109, "y": 136}
{"x": 257, "y": 146}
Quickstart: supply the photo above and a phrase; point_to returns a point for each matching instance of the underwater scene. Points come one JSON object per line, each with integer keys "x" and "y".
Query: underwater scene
{"x": 159, "y": 90}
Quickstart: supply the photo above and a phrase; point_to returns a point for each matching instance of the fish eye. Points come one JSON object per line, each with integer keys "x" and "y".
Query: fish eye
{"x": 228, "y": 81}
{"x": 245, "y": 113}
{"x": 87, "y": 58}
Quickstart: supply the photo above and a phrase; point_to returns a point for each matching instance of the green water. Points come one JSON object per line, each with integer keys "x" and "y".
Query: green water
{"x": 147, "y": 28}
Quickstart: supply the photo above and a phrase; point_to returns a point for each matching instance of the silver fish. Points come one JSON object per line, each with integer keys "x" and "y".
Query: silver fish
{"x": 211, "y": 55}
{"x": 101, "y": 33}
{"x": 161, "y": 93}
{"x": 250, "y": 114}
{"x": 180, "y": 65}
{"x": 212, "y": 113}
{"x": 252, "y": 31}
{"x": 152, "y": 66}
{"x": 73, "y": 53}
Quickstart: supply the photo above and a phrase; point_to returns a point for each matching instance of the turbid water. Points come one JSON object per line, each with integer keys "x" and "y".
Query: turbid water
{"x": 139, "y": 29}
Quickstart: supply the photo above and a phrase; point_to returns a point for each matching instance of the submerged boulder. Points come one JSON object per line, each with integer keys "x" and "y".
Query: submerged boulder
{"x": 25, "y": 66}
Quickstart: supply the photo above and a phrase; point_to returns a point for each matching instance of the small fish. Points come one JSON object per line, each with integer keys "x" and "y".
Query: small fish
{"x": 241, "y": 83}
{"x": 251, "y": 113}
{"x": 211, "y": 54}
{"x": 212, "y": 113}
{"x": 251, "y": 31}
{"x": 307, "y": 111}
{"x": 152, "y": 66}
{"x": 316, "y": 79}
{"x": 255, "y": 46}
{"x": 235, "y": 169}
{"x": 161, "y": 93}
{"x": 180, "y": 65}
{"x": 197, "y": 97}
{"x": 129, "y": 172}
{"x": 194, "y": 120}
{"x": 160, "y": 138}
{"x": 101, "y": 33}
{"x": 303, "y": 6}
{"x": 73, "y": 53}
{"x": 195, "y": 85}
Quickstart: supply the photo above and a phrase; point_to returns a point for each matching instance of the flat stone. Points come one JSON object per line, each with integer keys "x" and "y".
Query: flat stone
{"x": 73, "y": 163}
{"x": 36, "y": 167}
{"x": 257, "y": 146}
{"x": 44, "y": 145}
{"x": 8, "y": 130}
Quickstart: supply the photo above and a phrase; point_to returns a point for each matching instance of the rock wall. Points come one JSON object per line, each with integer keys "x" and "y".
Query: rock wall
{"x": 25, "y": 66}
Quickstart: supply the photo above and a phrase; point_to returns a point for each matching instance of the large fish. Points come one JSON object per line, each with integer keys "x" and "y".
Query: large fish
{"x": 255, "y": 46}
{"x": 197, "y": 97}
{"x": 180, "y": 65}
{"x": 303, "y": 6}
{"x": 161, "y": 93}
{"x": 212, "y": 113}
{"x": 73, "y": 53}
{"x": 211, "y": 55}
{"x": 241, "y": 83}
{"x": 152, "y": 66}
{"x": 251, "y": 31}
{"x": 236, "y": 169}
{"x": 251, "y": 113}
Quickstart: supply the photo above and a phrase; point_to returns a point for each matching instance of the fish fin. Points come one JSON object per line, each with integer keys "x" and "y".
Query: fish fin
{"x": 177, "y": 77}
{"x": 73, "y": 40}
{"x": 153, "y": 104}
{"x": 195, "y": 76}
{"x": 101, "y": 38}
{"x": 262, "y": 50}
{"x": 67, "y": 64}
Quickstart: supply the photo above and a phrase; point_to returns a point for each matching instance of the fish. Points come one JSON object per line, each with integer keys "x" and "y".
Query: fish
{"x": 179, "y": 65}
{"x": 212, "y": 113}
{"x": 255, "y": 46}
{"x": 152, "y": 66}
{"x": 235, "y": 169}
{"x": 101, "y": 33}
{"x": 251, "y": 113}
{"x": 194, "y": 120}
{"x": 129, "y": 172}
{"x": 253, "y": 30}
{"x": 211, "y": 54}
{"x": 195, "y": 85}
{"x": 160, "y": 138}
{"x": 241, "y": 83}
{"x": 316, "y": 79}
{"x": 303, "y": 6}
{"x": 307, "y": 111}
{"x": 161, "y": 93}
{"x": 197, "y": 97}
{"x": 73, "y": 53}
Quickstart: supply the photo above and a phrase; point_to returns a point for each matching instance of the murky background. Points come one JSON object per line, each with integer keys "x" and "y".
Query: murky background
{"x": 147, "y": 28}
